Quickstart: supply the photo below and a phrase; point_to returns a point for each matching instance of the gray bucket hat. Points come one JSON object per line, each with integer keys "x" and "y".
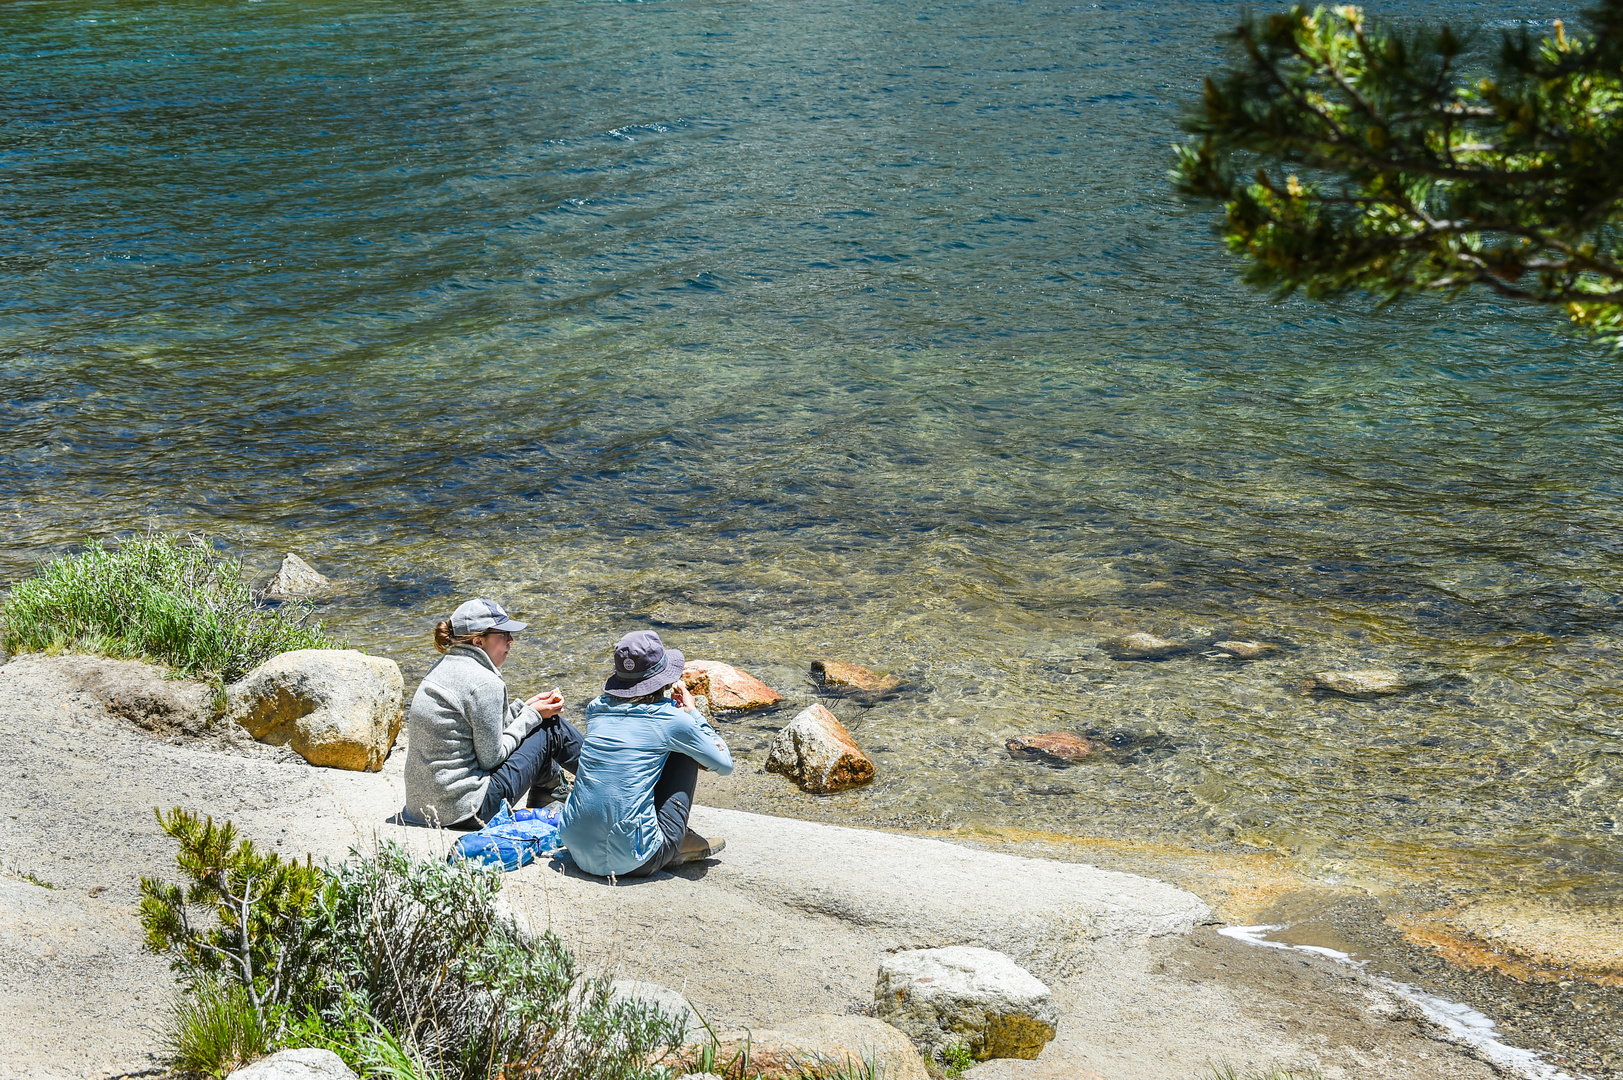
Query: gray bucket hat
{"x": 477, "y": 616}
{"x": 642, "y": 664}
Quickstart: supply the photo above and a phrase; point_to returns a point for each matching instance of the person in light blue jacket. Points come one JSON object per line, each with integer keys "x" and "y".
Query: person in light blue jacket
{"x": 627, "y": 815}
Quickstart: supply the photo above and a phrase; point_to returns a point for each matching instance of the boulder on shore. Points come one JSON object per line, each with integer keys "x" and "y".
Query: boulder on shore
{"x": 978, "y": 998}
{"x": 860, "y": 1040}
{"x": 305, "y": 1063}
{"x": 668, "y": 1001}
{"x": 1055, "y": 746}
{"x": 1139, "y": 646}
{"x": 1366, "y": 682}
{"x": 818, "y": 1047}
{"x": 816, "y": 752}
{"x": 296, "y": 578}
{"x": 848, "y": 677}
{"x": 727, "y": 687}
{"x": 335, "y": 707}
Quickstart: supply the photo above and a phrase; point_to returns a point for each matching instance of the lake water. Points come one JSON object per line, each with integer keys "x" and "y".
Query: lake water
{"x": 868, "y": 331}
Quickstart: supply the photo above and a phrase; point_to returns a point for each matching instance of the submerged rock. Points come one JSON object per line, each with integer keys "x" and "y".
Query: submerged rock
{"x": 842, "y": 676}
{"x": 1366, "y": 682}
{"x": 682, "y": 616}
{"x": 975, "y": 997}
{"x": 296, "y": 578}
{"x": 335, "y": 707}
{"x": 727, "y": 687}
{"x": 1055, "y": 746}
{"x": 1139, "y": 646}
{"x": 1246, "y": 650}
{"x": 816, "y": 752}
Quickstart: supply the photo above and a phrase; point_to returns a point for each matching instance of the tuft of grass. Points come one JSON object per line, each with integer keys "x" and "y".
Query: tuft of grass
{"x": 28, "y": 876}
{"x": 1272, "y": 1072}
{"x": 360, "y": 1040}
{"x": 214, "y": 1030}
{"x": 709, "y": 1058}
{"x": 955, "y": 1059}
{"x": 159, "y": 598}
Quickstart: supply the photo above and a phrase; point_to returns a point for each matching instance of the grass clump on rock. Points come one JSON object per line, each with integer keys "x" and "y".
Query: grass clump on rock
{"x": 158, "y": 598}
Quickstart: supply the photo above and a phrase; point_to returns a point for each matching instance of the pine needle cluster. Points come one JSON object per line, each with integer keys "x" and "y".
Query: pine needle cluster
{"x": 1350, "y": 156}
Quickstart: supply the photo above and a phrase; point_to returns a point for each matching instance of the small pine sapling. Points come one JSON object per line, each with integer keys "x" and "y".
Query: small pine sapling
{"x": 244, "y": 918}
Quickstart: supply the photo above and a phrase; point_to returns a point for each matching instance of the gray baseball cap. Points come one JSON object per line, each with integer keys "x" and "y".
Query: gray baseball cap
{"x": 477, "y": 616}
{"x": 642, "y": 664}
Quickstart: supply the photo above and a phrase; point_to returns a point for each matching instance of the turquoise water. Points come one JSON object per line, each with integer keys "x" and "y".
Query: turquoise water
{"x": 869, "y": 331}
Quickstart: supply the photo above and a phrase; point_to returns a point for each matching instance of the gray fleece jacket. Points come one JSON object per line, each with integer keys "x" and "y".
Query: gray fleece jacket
{"x": 462, "y": 727}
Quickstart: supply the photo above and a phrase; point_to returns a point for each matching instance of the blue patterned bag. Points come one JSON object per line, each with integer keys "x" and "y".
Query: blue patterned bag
{"x": 514, "y": 838}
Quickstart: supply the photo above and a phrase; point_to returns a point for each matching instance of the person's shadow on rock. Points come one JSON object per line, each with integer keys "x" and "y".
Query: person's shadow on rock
{"x": 693, "y": 871}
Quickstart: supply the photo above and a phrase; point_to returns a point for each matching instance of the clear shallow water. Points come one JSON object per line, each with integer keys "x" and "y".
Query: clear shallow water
{"x": 822, "y": 329}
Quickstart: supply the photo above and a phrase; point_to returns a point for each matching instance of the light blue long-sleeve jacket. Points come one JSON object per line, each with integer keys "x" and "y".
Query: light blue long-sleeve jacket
{"x": 610, "y": 824}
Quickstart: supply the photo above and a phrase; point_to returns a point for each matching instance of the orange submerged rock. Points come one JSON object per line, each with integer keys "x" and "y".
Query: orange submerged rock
{"x": 1055, "y": 745}
{"x": 727, "y": 687}
{"x": 853, "y": 677}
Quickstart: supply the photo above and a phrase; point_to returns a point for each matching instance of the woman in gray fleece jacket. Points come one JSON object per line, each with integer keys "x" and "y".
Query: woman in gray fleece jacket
{"x": 469, "y": 747}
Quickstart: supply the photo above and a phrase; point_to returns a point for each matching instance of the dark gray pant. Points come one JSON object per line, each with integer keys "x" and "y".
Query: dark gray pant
{"x": 553, "y": 745}
{"x": 673, "y": 799}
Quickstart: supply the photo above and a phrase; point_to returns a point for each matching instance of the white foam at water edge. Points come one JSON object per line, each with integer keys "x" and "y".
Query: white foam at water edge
{"x": 1462, "y": 1023}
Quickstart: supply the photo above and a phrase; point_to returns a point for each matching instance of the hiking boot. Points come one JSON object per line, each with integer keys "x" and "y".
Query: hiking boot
{"x": 696, "y": 847}
{"x": 552, "y": 787}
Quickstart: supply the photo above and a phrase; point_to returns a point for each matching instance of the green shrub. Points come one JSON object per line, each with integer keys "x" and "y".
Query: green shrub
{"x": 408, "y": 969}
{"x": 433, "y": 956}
{"x": 158, "y": 598}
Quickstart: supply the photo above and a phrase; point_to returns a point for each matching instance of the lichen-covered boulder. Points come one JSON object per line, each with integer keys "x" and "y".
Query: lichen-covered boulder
{"x": 816, "y": 752}
{"x": 335, "y": 707}
{"x": 727, "y": 687}
{"x": 306, "y": 1063}
{"x": 975, "y": 997}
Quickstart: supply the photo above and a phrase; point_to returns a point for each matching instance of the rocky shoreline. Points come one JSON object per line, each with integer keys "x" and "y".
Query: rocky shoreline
{"x": 794, "y": 920}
